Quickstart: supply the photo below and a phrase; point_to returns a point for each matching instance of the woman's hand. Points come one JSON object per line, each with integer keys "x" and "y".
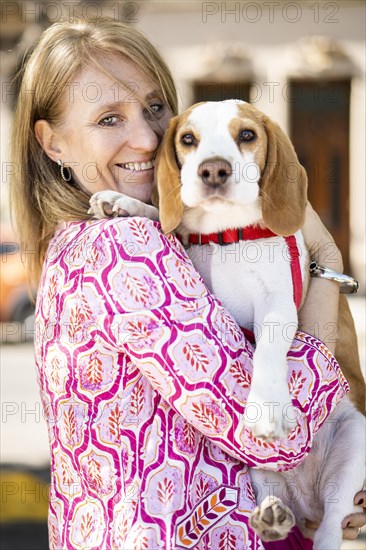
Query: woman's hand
{"x": 319, "y": 314}
{"x": 352, "y": 523}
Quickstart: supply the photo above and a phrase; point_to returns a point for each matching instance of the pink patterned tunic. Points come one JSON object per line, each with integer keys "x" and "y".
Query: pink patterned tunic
{"x": 144, "y": 378}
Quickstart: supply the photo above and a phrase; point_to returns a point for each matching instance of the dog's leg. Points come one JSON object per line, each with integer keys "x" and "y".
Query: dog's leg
{"x": 343, "y": 473}
{"x": 271, "y": 519}
{"x": 269, "y": 411}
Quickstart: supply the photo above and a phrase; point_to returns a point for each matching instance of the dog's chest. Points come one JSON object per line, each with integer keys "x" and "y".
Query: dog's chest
{"x": 246, "y": 274}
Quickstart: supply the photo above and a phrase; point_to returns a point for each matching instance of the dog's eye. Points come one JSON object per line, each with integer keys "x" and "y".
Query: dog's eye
{"x": 246, "y": 135}
{"x": 188, "y": 139}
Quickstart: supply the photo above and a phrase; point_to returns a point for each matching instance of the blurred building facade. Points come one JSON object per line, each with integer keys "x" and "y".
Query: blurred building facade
{"x": 303, "y": 63}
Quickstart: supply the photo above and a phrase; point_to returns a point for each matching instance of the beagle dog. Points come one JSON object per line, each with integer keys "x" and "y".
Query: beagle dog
{"x": 225, "y": 166}
{"x": 230, "y": 185}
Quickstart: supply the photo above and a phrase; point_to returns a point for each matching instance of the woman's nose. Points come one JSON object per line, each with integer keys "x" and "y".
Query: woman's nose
{"x": 144, "y": 135}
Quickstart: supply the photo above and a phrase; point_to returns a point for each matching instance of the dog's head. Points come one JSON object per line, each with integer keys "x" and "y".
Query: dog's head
{"x": 229, "y": 152}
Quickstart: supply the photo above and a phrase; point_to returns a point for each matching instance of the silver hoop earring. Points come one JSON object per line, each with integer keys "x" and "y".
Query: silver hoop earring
{"x": 65, "y": 171}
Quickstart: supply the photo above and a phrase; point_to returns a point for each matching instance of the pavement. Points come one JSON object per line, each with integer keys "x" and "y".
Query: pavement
{"x": 24, "y": 452}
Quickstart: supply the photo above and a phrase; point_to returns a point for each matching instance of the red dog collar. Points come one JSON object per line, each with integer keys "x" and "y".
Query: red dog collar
{"x": 249, "y": 233}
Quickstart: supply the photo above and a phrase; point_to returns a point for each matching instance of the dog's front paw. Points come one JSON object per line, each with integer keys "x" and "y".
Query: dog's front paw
{"x": 270, "y": 418}
{"x": 105, "y": 204}
{"x": 272, "y": 520}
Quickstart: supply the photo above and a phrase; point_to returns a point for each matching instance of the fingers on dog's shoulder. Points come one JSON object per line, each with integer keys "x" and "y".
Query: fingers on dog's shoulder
{"x": 360, "y": 499}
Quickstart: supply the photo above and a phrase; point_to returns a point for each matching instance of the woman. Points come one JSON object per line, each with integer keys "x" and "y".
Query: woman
{"x": 143, "y": 374}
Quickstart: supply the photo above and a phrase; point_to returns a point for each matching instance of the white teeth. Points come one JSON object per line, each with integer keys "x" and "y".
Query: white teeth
{"x": 137, "y": 167}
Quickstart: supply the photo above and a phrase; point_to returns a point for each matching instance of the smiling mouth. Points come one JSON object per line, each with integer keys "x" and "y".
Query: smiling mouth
{"x": 137, "y": 166}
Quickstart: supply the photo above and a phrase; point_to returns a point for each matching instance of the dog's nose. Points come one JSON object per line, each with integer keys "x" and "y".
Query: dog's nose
{"x": 214, "y": 172}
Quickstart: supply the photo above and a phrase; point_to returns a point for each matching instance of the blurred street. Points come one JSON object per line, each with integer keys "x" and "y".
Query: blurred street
{"x": 24, "y": 447}
{"x": 24, "y": 453}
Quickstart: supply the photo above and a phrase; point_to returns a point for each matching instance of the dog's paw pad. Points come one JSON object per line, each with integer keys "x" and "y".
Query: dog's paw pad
{"x": 272, "y": 520}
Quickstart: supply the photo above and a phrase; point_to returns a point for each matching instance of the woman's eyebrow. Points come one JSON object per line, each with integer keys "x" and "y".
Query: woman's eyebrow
{"x": 132, "y": 97}
{"x": 154, "y": 94}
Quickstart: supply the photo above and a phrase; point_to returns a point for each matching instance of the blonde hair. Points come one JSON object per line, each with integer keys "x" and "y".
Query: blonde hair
{"x": 39, "y": 198}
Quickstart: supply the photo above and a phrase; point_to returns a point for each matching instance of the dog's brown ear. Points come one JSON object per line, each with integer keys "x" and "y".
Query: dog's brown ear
{"x": 283, "y": 184}
{"x": 166, "y": 191}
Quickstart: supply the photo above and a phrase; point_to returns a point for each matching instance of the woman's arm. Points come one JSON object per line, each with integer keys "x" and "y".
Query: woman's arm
{"x": 319, "y": 314}
{"x": 157, "y": 310}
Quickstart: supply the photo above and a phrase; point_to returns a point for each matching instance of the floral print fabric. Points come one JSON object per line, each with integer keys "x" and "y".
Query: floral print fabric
{"x": 144, "y": 378}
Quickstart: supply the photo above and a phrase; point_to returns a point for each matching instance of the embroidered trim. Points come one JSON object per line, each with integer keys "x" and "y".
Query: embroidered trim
{"x": 209, "y": 511}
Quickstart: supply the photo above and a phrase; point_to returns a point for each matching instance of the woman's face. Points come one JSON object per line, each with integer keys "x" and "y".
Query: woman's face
{"x": 108, "y": 137}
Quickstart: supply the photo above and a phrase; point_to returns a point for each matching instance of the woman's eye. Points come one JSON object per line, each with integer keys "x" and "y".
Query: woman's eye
{"x": 188, "y": 139}
{"x": 247, "y": 135}
{"x": 156, "y": 107}
{"x": 155, "y": 110}
{"x": 110, "y": 120}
